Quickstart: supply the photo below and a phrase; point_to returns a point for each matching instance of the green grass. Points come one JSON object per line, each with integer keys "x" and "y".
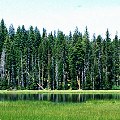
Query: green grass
{"x": 42, "y": 110}
{"x": 61, "y": 92}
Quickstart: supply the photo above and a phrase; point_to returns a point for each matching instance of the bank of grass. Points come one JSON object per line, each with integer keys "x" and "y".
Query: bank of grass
{"x": 42, "y": 110}
{"x": 60, "y": 92}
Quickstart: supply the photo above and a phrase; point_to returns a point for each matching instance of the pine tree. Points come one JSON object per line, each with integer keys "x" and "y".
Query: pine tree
{"x": 36, "y": 45}
{"x": 99, "y": 62}
{"x": 50, "y": 45}
{"x": 116, "y": 61}
{"x": 3, "y": 33}
{"x": 87, "y": 48}
{"x": 32, "y": 61}
{"x": 17, "y": 45}
{"x": 79, "y": 59}
{"x": 59, "y": 59}
{"x": 12, "y": 55}
{"x": 108, "y": 69}
{"x": 76, "y": 60}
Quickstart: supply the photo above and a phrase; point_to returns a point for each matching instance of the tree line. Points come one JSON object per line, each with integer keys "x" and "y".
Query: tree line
{"x": 30, "y": 60}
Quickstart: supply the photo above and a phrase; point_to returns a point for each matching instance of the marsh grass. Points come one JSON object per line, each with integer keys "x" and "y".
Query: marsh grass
{"x": 61, "y": 92}
{"x": 43, "y": 110}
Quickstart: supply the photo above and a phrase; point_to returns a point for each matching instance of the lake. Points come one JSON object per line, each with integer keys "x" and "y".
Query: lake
{"x": 58, "y": 98}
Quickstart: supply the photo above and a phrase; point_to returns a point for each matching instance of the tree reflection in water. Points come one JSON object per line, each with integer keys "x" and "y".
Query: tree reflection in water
{"x": 58, "y": 98}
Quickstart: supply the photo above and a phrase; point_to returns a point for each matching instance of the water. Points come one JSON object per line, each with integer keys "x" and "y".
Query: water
{"x": 59, "y": 98}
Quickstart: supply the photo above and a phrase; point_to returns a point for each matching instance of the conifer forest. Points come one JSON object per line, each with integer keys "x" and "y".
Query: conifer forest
{"x": 55, "y": 61}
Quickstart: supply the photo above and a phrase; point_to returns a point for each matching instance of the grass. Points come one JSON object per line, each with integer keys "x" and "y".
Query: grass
{"x": 61, "y": 92}
{"x": 42, "y": 110}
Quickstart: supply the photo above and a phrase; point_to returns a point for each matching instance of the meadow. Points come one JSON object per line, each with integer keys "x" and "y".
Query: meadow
{"x": 43, "y": 110}
{"x": 60, "y": 92}
{"x": 107, "y": 109}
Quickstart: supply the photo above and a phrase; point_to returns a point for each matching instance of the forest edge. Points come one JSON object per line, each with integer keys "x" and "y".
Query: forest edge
{"x": 60, "y": 92}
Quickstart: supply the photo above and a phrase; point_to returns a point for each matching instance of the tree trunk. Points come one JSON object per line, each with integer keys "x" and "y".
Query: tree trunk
{"x": 28, "y": 61}
{"x": 48, "y": 69}
{"x": 57, "y": 73}
{"x": 86, "y": 66}
{"x": 40, "y": 86}
{"x": 53, "y": 72}
{"x": 18, "y": 78}
{"x": 8, "y": 77}
{"x": 84, "y": 73}
{"x": 82, "y": 78}
{"x": 26, "y": 69}
{"x": 32, "y": 67}
{"x": 35, "y": 67}
{"x": 106, "y": 68}
{"x": 85, "y": 80}
{"x": 22, "y": 71}
{"x": 79, "y": 81}
{"x": 12, "y": 77}
{"x": 99, "y": 68}
{"x": 39, "y": 73}
{"x": 42, "y": 73}
{"x": 64, "y": 75}
{"x": 93, "y": 80}
{"x": 2, "y": 70}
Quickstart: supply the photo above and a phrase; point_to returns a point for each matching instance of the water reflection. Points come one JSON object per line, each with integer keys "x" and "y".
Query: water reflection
{"x": 59, "y": 97}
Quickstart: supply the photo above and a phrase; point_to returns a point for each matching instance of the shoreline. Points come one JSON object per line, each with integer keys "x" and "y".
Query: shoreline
{"x": 60, "y": 92}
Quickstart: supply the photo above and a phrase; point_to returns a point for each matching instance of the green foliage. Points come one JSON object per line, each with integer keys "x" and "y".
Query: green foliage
{"x": 114, "y": 87}
{"x": 3, "y": 33}
{"x": 58, "y": 61}
{"x": 37, "y": 110}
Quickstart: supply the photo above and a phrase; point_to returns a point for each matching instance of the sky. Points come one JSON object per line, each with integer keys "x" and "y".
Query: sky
{"x": 65, "y": 15}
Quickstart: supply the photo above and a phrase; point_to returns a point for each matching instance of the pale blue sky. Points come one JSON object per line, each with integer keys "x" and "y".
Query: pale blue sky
{"x": 65, "y": 15}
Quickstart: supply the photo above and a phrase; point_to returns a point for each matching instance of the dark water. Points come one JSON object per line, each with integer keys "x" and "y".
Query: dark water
{"x": 59, "y": 98}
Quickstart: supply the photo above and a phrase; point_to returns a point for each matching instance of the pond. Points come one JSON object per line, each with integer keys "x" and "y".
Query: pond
{"x": 59, "y": 98}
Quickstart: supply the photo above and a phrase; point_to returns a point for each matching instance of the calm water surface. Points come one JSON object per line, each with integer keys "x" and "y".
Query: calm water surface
{"x": 59, "y": 98}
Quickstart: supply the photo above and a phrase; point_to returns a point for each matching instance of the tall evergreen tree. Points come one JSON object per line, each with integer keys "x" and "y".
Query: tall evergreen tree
{"x": 115, "y": 61}
{"x": 87, "y": 48}
{"x": 108, "y": 69}
{"x": 32, "y": 61}
{"x": 3, "y": 33}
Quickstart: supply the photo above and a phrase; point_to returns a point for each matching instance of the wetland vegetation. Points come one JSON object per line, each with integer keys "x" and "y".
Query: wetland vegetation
{"x": 60, "y": 92}
{"x": 43, "y": 110}
{"x": 49, "y": 106}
